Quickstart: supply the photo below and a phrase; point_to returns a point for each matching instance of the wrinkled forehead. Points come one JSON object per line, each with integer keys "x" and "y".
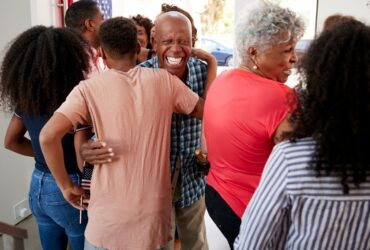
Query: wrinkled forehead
{"x": 172, "y": 21}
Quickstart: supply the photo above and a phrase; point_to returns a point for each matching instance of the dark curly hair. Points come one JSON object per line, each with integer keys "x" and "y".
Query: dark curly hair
{"x": 80, "y": 11}
{"x": 336, "y": 102}
{"x": 40, "y": 68}
{"x": 147, "y": 24}
{"x": 171, "y": 7}
{"x": 118, "y": 37}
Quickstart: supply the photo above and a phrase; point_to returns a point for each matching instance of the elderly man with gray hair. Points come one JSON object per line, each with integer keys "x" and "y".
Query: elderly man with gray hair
{"x": 247, "y": 111}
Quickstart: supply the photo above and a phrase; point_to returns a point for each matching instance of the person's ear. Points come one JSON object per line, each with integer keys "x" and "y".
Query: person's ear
{"x": 252, "y": 51}
{"x": 154, "y": 44}
{"x": 152, "y": 34}
{"x": 153, "y": 39}
{"x": 89, "y": 25}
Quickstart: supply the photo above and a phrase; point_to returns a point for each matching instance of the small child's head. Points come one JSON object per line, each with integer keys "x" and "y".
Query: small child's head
{"x": 118, "y": 38}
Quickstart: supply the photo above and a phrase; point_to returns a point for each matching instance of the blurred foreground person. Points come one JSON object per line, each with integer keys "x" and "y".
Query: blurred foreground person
{"x": 315, "y": 189}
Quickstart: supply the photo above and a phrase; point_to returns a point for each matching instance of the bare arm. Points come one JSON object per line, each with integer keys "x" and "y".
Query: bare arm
{"x": 51, "y": 145}
{"x": 211, "y": 66}
{"x": 198, "y": 109}
{"x": 203, "y": 142}
{"x": 80, "y": 137}
{"x": 15, "y": 139}
{"x": 284, "y": 127}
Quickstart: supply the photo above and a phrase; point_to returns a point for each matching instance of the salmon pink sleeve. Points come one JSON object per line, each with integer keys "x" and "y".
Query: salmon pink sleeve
{"x": 75, "y": 107}
{"x": 184, "y": 99}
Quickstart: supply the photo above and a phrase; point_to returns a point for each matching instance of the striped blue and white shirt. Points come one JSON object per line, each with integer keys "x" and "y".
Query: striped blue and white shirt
{"x": 185, "y": 136}
{"x": 293, "y": 208}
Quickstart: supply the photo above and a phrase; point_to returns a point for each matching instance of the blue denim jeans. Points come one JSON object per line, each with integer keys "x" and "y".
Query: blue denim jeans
{"x": 57, "y": 220}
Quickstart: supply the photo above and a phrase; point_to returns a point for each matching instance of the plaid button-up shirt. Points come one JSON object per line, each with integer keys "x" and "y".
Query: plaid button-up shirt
{"x": 185, "y": 136}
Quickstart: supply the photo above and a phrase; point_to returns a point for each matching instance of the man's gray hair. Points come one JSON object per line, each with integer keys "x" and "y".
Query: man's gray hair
{"x": 264, "y": 26}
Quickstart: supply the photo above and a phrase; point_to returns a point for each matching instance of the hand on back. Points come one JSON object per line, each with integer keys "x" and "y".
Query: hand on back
{"x": 96, "y": 152}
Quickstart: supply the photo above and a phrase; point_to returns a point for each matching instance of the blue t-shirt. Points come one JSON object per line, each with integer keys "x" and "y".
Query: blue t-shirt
{"x": 34, "y": 124}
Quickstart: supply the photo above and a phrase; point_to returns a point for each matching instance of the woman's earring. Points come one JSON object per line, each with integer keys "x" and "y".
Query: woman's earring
{"x": 255, "y": 67}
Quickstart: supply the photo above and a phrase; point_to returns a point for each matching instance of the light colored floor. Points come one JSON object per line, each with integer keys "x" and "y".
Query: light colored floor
{"x": 216, "y": 240}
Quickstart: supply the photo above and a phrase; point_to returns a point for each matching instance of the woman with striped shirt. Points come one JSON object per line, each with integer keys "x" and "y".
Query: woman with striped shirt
{"x": 315, "y": 188}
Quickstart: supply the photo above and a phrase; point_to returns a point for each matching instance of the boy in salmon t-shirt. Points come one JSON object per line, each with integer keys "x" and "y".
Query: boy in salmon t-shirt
{"x": 129, "y": 108}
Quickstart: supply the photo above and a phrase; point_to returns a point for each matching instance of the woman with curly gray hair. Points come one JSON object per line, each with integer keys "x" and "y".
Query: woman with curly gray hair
{"x": 247, "y": 110}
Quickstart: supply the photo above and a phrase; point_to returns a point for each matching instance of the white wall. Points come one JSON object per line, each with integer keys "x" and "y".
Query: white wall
{"x": 357, "y": 8}
{"x": 307, "y": 10}
{"x": 15, "y": 170}
{"x": 43, "y": 12}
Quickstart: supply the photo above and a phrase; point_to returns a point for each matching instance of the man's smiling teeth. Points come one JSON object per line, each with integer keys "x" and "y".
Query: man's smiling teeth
{"x": 174, "y": 60}
{"x": 287, "y": 72}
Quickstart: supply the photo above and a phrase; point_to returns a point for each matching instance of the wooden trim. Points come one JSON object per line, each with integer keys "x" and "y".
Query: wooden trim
{"x": 13, "y": 231}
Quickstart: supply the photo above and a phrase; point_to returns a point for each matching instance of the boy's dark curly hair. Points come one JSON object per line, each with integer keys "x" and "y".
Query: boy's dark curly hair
{"x": 171, "y": 7}
{"x": 147, "y": 24}
{"x": 40, "y": 68}
{"x": 118, "y": 37}
{"x": 336, "y": 103}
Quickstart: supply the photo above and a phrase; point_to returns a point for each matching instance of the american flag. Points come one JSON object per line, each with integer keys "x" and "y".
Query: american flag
{"x": 106, "y": 7}
{"x": 86, "y": 177}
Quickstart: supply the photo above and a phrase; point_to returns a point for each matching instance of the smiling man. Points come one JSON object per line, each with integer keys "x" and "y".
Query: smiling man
{"x": 173, "y": 45}
{"x": 172, "y": 41}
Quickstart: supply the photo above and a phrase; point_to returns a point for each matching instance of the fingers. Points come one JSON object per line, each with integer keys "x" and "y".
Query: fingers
{"x": 96, "y": 152}
{"x": 75, "y": 201}
{"x": 86, "y": 200}
{"x": 90, "y": 145}
{"x": 73, "y": 196}
{"x": 99, "y": 156}
{"x": 80, "y": 201}
{"x": 77, "y": 204}
{"x": 103, "y": 161}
